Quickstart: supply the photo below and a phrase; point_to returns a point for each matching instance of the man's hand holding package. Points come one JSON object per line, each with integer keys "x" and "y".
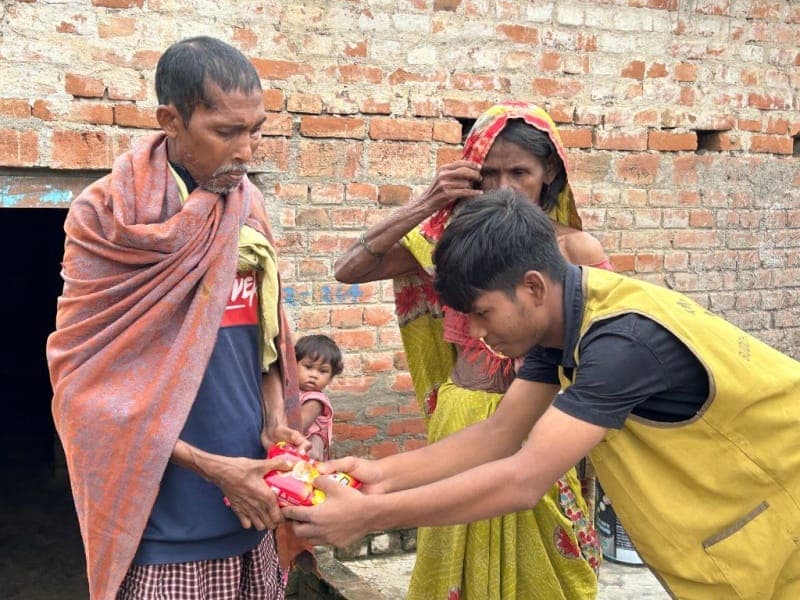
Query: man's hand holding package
{"x": 242, "y": 482}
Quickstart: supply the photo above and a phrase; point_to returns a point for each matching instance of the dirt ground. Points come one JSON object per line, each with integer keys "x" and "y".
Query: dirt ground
{"x": 41, "y": 556}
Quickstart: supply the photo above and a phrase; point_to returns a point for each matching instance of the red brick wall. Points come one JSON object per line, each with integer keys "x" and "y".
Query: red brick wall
{"x": 681, "y": 118}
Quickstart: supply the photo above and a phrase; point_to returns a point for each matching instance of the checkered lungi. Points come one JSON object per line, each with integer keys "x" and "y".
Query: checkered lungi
{"x": 254, "y": 575}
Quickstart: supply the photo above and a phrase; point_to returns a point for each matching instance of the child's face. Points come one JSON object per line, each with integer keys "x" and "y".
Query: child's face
{"x": 313, "y": 375}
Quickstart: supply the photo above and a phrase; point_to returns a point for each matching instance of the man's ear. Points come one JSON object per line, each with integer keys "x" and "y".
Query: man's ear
{"x": 169, "y": 119}
{"x": 535, "y": 286}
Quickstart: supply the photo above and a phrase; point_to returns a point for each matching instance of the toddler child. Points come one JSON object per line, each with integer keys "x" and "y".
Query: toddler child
{"x": 318, "y": 361}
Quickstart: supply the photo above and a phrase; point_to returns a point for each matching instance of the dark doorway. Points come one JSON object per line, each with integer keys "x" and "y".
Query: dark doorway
{"x": 41, "y": 556}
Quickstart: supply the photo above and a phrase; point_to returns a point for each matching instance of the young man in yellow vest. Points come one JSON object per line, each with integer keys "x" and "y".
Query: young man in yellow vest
{"x": 691, "y": 423}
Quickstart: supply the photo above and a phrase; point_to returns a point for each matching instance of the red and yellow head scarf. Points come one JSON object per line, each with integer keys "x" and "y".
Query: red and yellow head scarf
{"x": 480, "y": 140}
{"x": 428, "y": 338}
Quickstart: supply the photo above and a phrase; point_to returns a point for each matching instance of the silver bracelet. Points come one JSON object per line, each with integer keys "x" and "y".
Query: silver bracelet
{"x": 362, "y": 241}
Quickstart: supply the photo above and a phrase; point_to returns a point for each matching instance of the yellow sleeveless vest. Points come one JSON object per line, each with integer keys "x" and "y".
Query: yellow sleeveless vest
{"x": 711, "y": 504}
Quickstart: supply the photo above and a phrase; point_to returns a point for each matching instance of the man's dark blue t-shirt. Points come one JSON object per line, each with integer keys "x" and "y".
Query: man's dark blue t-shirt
{"x": 190, "y": 521}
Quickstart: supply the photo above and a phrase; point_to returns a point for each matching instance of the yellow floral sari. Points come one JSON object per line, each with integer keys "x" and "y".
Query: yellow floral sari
{"x": 549, "y": 551}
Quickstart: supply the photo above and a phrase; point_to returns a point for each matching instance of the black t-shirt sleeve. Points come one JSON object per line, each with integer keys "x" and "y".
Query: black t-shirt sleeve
{"x": 617, "y": 373}
{"x": 628, "y": 364}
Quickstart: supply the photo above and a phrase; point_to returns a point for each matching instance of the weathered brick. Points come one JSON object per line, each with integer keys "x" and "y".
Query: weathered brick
{"x": 670, "y": 141}
{"x": 277, "y": 124}
{"x": 476, "y": 82}
{"x": 470, "y": 109}
{"x": 118, "y": 3}
{"x": 402, "y": 383}
{"x": 334, "y": 127}
{"x": 356, "y": 49}
{"x": 347, "y": 317}
{"x": 133, "y": 115}
{"x": 383, "y": 449}
{"x": 83, "y": 86}
{"x": 244, "y": 38}
{"x": 327, "y": 193}
{"x": 685, "y": 72}
{"x": 91, "y": 112}
{"x": 406, "y": 426}
{"x": 117, "y": 26}
{"x": 772, "y": 144}
{"x": 280, "y": 69}
{"x": 403, "y": 76}
{"x": 634, "y": 69}
{"x": 348, "y": 431}
{"x": 304, "y": 103}
{"x": 81, "y": 150}
{"x": 623, "y": 263}
{"x": 132, "y": 88}
{"x": 14, "y": 108}
{"x": 450, "y": 5}
{"x": 374, "y": 364}
{"x": 274, "y": 99}
{"x": 332, "y": 159}
{"x": 621, "y": 139}
{"x": 520, "y": 34}
{"x": 562, "y": 88}
{"x": 65, "y": 27}
{"x": 657, "y": 70}
{"x": 576, "y": 137}
{"x": 638, "y": 169}
{"x": 272, "y": 155}
{"x": 769, "y": 101}
{"x": 447, "y": 155}
{"x": 361, "y": 192}
{"x": 447, "y": 131}
{"x": 391, "y": 159}
{"x": 372, "y": 106}
{"x": 356, "y": 74}
{"x": 18, "y": 148}
{"x": 393, "y": 195}
{"x": 399, "y": 129}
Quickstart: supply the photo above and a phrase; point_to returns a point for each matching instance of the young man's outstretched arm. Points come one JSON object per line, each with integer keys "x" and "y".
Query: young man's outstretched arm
{"x": 502, "y": 486}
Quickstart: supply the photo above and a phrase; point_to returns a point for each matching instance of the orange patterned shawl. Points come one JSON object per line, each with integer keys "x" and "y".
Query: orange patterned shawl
{"x": 145, "y": 287}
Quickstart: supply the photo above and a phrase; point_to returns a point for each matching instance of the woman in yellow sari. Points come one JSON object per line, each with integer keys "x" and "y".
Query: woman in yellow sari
{"x": 549, "y": 551}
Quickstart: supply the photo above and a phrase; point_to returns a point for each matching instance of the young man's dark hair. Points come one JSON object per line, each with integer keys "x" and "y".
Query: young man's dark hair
{"x": 320, "y": 347}
{"x": 188, "y": 66}
{"x": 484, "y": 249}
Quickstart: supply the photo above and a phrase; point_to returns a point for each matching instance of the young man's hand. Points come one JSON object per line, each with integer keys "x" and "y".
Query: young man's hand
{"x": 366, "y": 471}
{"x": 340, "y": 520}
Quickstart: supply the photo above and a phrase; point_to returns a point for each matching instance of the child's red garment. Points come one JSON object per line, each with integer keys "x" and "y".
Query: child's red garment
{"x": 323, "y": 424}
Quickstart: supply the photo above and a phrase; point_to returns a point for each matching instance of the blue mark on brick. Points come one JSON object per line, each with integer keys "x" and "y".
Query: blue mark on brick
{"x": 341, "y": 294}
{"x": 291, "y": 296}
{"x": 7, "y": 199}
{"x": 50, "y": 196}
{"x": 56, "y": 197}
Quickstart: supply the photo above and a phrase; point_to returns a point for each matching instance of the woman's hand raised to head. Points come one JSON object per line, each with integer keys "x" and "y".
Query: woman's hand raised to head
{"x": 453, "y": 181}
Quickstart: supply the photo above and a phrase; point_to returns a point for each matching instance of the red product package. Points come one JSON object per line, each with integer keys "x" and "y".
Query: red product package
{"x": 294, "y": 487}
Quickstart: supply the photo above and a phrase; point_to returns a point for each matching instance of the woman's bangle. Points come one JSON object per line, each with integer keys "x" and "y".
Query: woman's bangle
{"x": 362, "y": 241}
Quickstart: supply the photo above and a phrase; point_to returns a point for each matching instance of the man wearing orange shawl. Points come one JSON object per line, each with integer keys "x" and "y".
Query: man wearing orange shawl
{"x": 551, "y": 550}
{"x": 172, "y": 364}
